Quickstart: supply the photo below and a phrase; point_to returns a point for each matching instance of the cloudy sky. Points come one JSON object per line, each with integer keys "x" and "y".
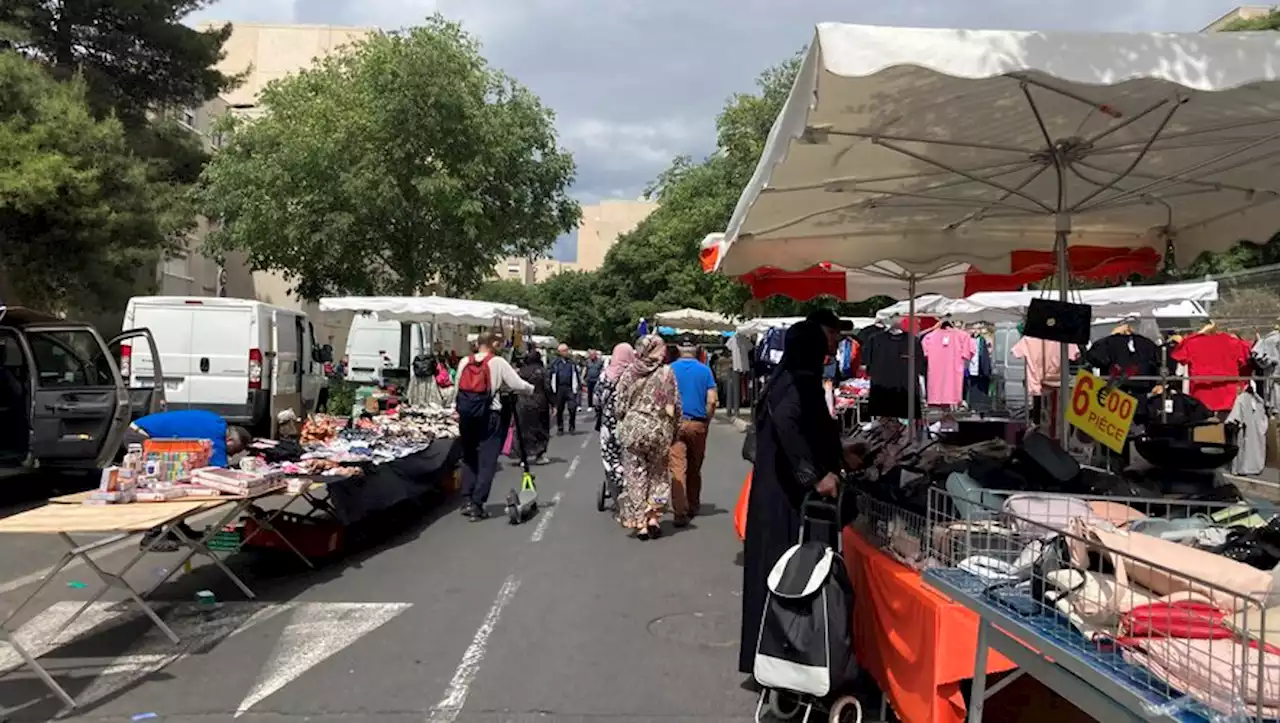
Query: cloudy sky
{"x": 635, "y": 83}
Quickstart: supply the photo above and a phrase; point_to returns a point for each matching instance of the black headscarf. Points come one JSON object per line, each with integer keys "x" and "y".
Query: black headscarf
{"x": 533, "y": 358}
{"x": 806, "y": 348}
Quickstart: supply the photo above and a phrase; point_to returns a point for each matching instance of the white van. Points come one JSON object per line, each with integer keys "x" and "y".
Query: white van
{"x": 243, "y": 359}
{"x": 376, "y": 348}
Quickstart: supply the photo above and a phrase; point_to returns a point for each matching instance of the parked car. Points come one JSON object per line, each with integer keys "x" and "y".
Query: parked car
{"x": 64, "y": 402}
{"x": 245, "y": 360}
{"x": 377, "y": 349}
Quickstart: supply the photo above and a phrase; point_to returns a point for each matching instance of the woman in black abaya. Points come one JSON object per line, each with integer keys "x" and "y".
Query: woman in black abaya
{"x": 797, "y": 451}
{"x": 534, "y": 409}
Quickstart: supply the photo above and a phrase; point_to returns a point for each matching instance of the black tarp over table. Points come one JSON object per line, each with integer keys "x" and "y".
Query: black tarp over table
{"x": 383, "y": 486}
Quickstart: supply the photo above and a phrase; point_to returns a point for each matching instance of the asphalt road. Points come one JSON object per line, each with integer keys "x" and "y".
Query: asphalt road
{"x": 560, "y": 619}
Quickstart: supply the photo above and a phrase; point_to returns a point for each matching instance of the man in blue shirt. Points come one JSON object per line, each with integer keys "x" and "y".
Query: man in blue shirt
{"x": 564, "y": 384}
{"x": 697, "y": 406}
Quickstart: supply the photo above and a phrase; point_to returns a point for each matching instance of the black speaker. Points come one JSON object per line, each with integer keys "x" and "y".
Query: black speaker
{"x": 1058, "y": 321}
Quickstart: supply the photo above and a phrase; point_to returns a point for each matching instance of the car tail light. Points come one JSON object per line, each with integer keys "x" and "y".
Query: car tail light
{"x": 126, "y": 361}
{"x": 255, "y": 368}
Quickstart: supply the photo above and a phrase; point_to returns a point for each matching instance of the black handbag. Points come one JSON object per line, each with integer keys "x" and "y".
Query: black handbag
{"x": 1058, "y": 321}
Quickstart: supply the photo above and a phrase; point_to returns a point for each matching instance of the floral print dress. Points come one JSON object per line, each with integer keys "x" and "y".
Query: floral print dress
{"x": 610, "y": 445}
{"x": 647, "y": 408}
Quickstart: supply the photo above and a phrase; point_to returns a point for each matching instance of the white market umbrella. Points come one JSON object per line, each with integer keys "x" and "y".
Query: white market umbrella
{"x": 431, "y": 309}
{"x": 929, "y": 147}
{"x": 694, "y": 320}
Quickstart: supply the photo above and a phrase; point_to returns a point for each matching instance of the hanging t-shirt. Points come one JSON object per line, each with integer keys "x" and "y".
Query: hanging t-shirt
{"x": 1044, "y": 362}
{"x": 1251, "y": 414}
{"x": 948, "y": 352}
{"x": 885, "y": 356}
{"x": 1130, "y": 355}
{"x": 975, "y": 359}
{"x": 1213, "y": 355}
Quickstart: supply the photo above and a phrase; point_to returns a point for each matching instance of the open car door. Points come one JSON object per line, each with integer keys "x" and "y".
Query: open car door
{"x": 146, "y": 392}
{"x": 80, "y": 406}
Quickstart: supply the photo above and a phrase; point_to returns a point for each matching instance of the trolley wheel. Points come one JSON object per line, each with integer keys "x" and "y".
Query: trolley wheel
{"x": 847, "y": 709}
{"x": 602, "y": 497}
{"x": 782, "y": 706}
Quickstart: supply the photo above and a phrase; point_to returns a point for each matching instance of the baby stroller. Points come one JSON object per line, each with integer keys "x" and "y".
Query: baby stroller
{"x": 804, "y": 654}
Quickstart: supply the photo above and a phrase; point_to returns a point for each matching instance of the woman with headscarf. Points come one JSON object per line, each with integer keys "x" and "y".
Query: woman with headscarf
{"x": 797, "y": 451}
{"x": 610, "y": 446}
{"x": 647, "y": 405}
{"x": 534, "y": 409}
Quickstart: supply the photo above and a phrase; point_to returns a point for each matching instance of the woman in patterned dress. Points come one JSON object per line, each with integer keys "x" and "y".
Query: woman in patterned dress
{"x": 647, "y": 405}
{"x": 610, "y": 447}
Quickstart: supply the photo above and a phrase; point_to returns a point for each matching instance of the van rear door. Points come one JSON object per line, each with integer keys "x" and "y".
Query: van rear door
{"x": 222, "y": 341}
{"x": 80, "y": 408}
{"x": 172, "y": 326}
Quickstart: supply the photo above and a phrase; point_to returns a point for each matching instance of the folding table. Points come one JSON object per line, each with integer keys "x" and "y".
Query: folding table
{"x": 118, "y": 522}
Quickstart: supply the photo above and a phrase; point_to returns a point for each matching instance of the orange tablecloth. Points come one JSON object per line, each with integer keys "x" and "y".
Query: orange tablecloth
{"x": 917, "y": 644}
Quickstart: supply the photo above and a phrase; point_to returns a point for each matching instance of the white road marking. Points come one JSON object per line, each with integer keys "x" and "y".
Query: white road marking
{"x": 311, "y": 637}
{"x": 573, "y": 467}
{"x": 314, "y": 633}
{"x": 447, "y": 710}
{"x": 586, "y": 441}
{"x": 545, "y": 519}
{"x": 35, "y": 577}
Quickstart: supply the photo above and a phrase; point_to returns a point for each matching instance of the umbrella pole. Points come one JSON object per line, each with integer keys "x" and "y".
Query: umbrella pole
{"x": 912, "y": 381}
{"x": 1064, "y": 358}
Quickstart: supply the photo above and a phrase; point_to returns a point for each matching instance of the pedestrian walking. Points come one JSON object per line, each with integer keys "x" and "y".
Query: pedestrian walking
{"x": 534, "y": 410}
{"x": 483, "y": 420}
{"x": 698, "y": 399}
{"x": 595, "y": 367}
{"x": 565, "y": 386}
{"x": 647, "y": 405}
{"x": 610, "y": 445}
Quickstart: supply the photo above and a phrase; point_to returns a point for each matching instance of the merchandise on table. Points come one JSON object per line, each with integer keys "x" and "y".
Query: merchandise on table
{"x": 236, "y": 482}
{"x": 169, "y": 460}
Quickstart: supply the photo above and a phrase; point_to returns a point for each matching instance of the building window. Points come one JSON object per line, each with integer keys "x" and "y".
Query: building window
{"x": 177, "y": 266}
{"x": 189, "y": 117}
{"x": 513, "y": 269}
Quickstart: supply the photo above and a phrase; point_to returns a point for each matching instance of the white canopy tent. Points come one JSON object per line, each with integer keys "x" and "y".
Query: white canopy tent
{"x": 694, "y": 320}
{"x": 930, "y": 147}
{"x": 1117, "y": 301}
{"x": 430, "y": 309}
{"x": 764, "y": 323}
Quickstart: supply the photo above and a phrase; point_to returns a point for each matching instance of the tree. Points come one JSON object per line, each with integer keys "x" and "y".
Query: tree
{"x": 404, "y": 164}
{"x": 575, "y": 305}
{"x": 128, "y": 61}
{"x": 1270, "y": 21}
{"x": 78, "y": 212}
{"x": 135, "y": 56}
{"x": 510, "y": 291}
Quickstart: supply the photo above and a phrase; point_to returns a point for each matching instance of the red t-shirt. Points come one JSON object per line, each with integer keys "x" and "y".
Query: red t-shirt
{"x": 1214, "y": 355}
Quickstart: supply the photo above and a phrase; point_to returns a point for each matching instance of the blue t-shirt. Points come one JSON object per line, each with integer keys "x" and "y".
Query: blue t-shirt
{"x": 694, "y": 379}
{"x": 189, "y": 424}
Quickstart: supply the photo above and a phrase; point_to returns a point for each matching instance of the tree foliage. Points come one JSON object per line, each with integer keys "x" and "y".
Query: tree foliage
{"x": 78, "y": 211}
{"x": 1270, "y": 21}
{"x": 403, "y": 165}
{"x": 125, "y": 62}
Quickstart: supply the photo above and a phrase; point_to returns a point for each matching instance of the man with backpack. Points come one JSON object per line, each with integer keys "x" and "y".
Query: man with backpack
{"x": 483, "y": 420}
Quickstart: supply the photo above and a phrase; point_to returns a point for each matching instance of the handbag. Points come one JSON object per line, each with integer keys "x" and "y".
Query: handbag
{"x": 1197, "y": 619}
{"x": 1058, "y": 321}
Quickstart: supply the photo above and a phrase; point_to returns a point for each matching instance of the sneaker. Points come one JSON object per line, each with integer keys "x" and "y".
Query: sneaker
{"x": 541, "y": 460}
{"x": 478, "y": 513}
{"x": 469, "y": 510}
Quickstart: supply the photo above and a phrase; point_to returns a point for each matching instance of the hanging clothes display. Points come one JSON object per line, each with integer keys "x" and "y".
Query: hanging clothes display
{"x": 740, "y": 352}
{"x": 1250, "y": 413}
{"x": 1266, "y": 355}
{"x": 1044, "y": 362}
{"x": 1128, "y": 355}
{"x": 948, "y": 351}
{"x": 1213, "y": 354}
{"x": 978, "y": 375}
{"x": 885, "y": 356}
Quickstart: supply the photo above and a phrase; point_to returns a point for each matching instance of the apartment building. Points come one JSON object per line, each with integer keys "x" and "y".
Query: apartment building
{"x": 602, "y": 224}
{"x": 530, "y": 271}
{"x": 1244, "y": 12}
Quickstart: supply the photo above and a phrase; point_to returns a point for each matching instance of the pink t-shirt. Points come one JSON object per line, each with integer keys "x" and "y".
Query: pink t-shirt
{"x": 1044, "y": 362}
{"x": 948, "y": 351}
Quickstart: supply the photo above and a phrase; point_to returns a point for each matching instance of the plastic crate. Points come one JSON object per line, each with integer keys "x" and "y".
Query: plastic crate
{"x": 227, "y": 540}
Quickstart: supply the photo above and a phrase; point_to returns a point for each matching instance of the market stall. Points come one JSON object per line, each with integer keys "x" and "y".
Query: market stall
{"x": 1126, "y": 143}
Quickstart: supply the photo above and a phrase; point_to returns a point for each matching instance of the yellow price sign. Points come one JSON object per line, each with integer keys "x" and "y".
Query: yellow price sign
{"x": 1103, "y": 414}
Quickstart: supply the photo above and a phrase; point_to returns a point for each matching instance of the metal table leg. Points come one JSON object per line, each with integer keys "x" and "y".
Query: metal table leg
{"x": 978, "y": 698}
{"x": 35, "y": 665}
{"x": 264, "y": 523}
{"x": 200, "y": 546}
{"x": 111, "y": 580}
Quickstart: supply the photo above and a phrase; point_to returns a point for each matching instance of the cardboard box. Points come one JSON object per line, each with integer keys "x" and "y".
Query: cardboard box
{"x": 1211, "y": 433}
